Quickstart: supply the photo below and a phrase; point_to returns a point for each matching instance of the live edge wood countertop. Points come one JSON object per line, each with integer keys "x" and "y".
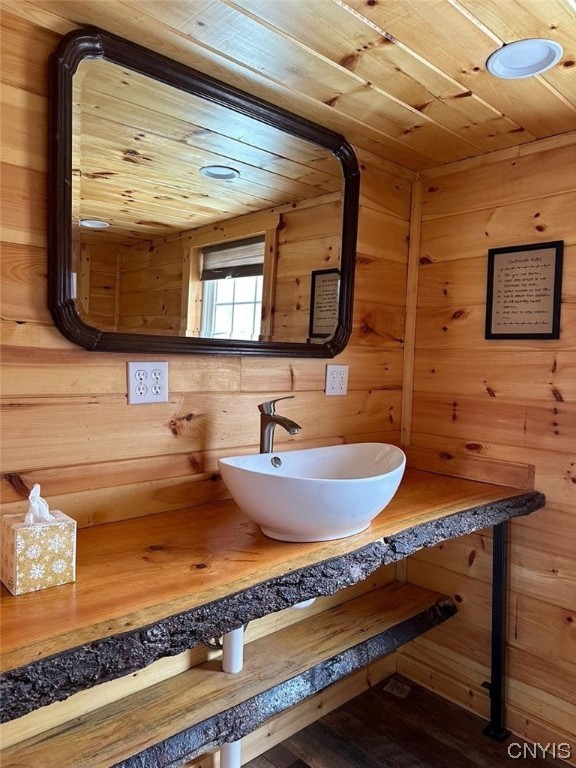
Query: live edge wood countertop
{"x": 156, "y": 585}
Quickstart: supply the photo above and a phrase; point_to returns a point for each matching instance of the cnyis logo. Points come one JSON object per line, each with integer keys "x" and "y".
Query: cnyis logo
{"x": 562, "y": 751}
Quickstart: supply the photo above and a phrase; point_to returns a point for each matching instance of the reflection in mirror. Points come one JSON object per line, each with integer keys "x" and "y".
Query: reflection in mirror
{"x": 193, "y": 220}
{"x": 231, "y": 290}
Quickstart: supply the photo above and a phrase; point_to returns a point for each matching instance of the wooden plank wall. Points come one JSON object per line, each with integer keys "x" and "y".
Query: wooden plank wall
{"x": 308, "y": 239}
{"x": 507, "y": 400}
{"x": 151, "y": 273}
{"x": 99, "y": 265}
{"x": 65, "y": 422}
{"x": 65, "y": 408}
{"x": 150, "y": 294}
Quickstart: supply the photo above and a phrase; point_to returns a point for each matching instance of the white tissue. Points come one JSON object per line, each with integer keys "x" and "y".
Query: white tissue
{"x": 38, "y": 512}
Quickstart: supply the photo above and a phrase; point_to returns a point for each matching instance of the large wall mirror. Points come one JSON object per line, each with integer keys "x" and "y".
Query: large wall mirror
{"x": 188, "y": 216}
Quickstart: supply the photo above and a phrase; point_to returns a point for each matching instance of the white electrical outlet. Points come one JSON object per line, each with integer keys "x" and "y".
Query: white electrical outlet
{"x": 336, "y": 380}
{"x": 147, "y": 382}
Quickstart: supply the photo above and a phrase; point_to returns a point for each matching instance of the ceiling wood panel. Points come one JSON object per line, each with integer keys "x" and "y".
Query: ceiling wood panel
{"x": 139, "y": 145}
{"x": 404, "y": 80}
{"x": 519, "y": 19}
{"x": 349, "y": 42}
{"x": 287, "y": 61}
{"x": 458, "y": 44}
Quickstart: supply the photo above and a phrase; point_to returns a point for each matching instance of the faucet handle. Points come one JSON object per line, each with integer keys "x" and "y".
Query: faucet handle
{"x": 269, "y": 407}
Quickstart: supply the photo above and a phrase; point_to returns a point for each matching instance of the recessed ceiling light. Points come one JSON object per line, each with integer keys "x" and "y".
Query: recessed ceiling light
{"x": 94, "y": 224}
{"x": 222, "y": 172}
{"x": 524, "y": 58}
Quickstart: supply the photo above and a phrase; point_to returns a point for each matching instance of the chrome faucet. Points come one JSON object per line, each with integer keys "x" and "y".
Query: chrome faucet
{"x": 268, "y": 420}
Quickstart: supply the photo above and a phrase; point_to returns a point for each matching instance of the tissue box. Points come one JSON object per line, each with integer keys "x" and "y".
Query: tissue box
{"x": 38, "y": 555}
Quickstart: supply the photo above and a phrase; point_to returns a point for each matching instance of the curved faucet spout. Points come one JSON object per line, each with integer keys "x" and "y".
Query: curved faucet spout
{"x": 268, "y": 421}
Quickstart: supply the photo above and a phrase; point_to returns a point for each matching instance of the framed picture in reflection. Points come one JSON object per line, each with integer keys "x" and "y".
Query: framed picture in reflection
{"x": 324, "y": 296}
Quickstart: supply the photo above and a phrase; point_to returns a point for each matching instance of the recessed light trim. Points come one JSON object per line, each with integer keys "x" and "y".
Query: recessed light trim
{"x": 524, "y": 58}
{"x": 93, "y": 224}
{"x": 220, "y": 172}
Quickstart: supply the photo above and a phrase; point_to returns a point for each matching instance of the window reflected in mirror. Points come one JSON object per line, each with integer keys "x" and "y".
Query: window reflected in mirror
{"x": 231, "y": 308}
{"x": 231, "y": 276}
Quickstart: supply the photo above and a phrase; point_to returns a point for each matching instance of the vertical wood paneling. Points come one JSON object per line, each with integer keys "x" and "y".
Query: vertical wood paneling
{"x": 411, "y": 304}
{"x": 507, "y": 400}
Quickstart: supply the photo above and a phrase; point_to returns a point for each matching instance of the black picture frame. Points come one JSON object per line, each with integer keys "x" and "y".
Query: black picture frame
{"x": 524, "y": 291}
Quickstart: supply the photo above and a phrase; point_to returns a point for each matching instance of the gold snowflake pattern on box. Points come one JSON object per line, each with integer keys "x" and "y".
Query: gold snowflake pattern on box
{"x": 39, "y": 555}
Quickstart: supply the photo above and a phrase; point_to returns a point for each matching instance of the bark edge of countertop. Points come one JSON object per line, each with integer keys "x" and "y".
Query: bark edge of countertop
{"x": 56, "y": 678}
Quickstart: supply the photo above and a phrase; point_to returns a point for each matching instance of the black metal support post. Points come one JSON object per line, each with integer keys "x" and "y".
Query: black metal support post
{"x": 495, "y": 728}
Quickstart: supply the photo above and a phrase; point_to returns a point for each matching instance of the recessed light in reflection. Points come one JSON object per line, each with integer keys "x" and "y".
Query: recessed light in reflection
{"x": 94, "y": 224}
{"x": 221, "y": 172}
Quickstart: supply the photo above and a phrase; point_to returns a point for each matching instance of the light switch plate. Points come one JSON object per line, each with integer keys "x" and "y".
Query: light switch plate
{"x": 147, "y": 382}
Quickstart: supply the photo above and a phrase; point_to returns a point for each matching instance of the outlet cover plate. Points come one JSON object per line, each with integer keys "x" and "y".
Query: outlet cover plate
{"x": 147, "y": 382}
{"x": 336, "y": 380}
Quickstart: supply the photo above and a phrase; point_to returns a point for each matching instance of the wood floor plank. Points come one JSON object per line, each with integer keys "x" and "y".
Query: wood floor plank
{"x": 396, "y": 724}
{"x": 281, "y": 757}
{"x": 261, "y": 762}
{"x": 379, "y": 742}
{"x": 319, "y": 749}
{"x": 418, "y": 739}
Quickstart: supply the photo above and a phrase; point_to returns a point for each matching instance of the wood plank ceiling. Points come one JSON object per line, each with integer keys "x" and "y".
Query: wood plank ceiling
{"x": 139, "y": 146}
{"x": 402, "y": 79}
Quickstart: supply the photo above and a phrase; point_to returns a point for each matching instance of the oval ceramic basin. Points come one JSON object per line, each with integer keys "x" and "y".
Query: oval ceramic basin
{"x": 315, "y": 494}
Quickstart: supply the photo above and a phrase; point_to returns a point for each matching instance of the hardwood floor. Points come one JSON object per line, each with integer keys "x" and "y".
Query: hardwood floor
{"x": 397, "y": 724}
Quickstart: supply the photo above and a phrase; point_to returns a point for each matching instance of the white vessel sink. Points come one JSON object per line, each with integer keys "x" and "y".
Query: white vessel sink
{"x": 315, "y": 494}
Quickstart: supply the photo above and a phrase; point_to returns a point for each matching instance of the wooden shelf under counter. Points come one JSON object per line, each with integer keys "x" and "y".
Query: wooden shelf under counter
{"x": 195, "y": 711}
{"x": 157, "y": 585}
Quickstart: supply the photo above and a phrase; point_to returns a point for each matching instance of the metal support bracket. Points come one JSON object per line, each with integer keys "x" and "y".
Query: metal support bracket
{"x": 496, "y": 687}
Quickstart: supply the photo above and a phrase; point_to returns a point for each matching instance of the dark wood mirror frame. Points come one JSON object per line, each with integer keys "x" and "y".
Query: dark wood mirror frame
{"x": 95, "y": 43}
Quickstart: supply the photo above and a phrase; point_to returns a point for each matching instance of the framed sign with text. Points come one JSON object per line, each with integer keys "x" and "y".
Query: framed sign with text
{"x": 324, "y": 295}
{"x": 524, "y": 291}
